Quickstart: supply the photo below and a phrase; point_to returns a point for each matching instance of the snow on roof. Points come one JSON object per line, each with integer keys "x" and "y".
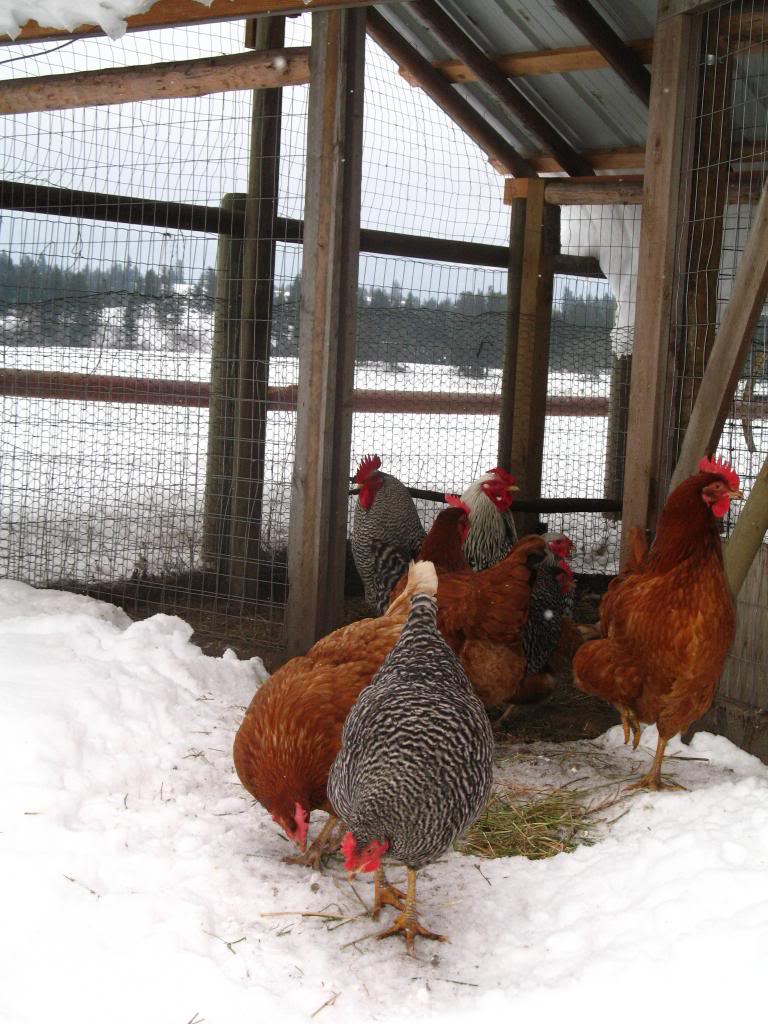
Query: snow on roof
{"x": 109, "y": 15}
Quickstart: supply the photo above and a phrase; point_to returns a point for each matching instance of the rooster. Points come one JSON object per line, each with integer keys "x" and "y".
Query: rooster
{"x": 292, "y": 728}
{"x": 492, "y": 532}
{"x": 416, "y": 759}
{"x": 668, "y": 623}
{"x": 384, "y": 512}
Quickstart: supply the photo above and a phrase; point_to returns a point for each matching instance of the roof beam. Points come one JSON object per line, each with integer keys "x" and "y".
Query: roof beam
{"x": 459, "y": 43}
{"x": 528, "y": 63}
{"x": 172, "y": 13}
{"x": 263, "y": 69}
{"x": 501, "y": 154}
{"x": 596, "y": 30}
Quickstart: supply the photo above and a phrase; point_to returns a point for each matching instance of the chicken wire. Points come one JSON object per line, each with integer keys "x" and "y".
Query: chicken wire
{"x": 121, "y": 410}
{"x": 724, "y": 174}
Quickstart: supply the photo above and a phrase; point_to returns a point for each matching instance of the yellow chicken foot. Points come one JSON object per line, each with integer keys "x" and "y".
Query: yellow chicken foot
{"x": 323, "y": 844}
{"x": 407, "y": 921}
{"x": 629, "y": 721}
{"x": 652, "y": 779}
{"x": 385, "y": 893}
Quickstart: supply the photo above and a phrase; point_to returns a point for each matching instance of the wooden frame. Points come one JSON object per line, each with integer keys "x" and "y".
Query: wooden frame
{"x": 320, "y": 484}
{"x": 672, "y": 91}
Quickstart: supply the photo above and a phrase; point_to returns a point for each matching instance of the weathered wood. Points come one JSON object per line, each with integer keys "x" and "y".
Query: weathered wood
{"x": 499, "y": 151}
{"x": 747, "y": 536}
{"x": 262, "y": 70}
{"x": 701, "y": 259}
{"x": 255, "y": 315}
{"x": 621, "y": 58}
{"x": 320, "y": 484}
{"x": 87, "y": 387}
{"x": 593, "y": 190}
{"x": 673, "y": 87}
{"x": 672, "y": 8}
{"x": 730, "y": 348}
{"x": 539, "y": 62}
{"x": 508, "y": 95}
{"x": 616, "y": 432}
{"x": 532, "y": 363}
{"x": 618, "y": 159}
{"x": 170, "y": 13}
{"x": 511, "y": 331}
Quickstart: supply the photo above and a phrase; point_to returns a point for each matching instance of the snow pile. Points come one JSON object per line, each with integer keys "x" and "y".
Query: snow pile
{"x": 110, "y": 15}
{"x": 139, "y": 883}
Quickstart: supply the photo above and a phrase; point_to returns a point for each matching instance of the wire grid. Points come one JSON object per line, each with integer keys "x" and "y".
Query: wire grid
{"x": 725, "y": 172}
{"x": 129, "y": 487}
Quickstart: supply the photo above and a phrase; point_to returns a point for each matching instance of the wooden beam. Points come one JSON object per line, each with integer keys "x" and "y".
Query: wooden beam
{"x": 673, "y": 8}
{"x": 62, "y": 202}
{"x": 730, "y": 348}
{"x": 622, "y": 158}
{"x": 320, "y": 483}
{"x": 593, "y": 190}
{"x": 747, "y": 538}
{"x": 173, "y": 13}
{"x": 511, "y": 332}
{"x": 673, "y": 88}
{"x": 510, "y": 97}
{"x": 253, "y": 70}
{"x": 532, "y": 348}
{"x": 500, "y": 152}
{"x": 528, "y": 63}
{"x": 621, "y": 58}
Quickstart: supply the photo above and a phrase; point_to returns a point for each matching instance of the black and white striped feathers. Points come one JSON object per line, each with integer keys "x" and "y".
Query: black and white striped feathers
{"x": 415, "y": 765}
{"x": 492, "y": 533}
{"x": 384, "y": 512}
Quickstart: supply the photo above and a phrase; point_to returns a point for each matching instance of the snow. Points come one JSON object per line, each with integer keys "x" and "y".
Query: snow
{"x": 110, "y": 15}
{"x": 139, "y": 882}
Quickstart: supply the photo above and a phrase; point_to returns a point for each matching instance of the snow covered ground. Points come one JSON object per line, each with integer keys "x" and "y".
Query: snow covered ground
{"x": 139, "y": 883}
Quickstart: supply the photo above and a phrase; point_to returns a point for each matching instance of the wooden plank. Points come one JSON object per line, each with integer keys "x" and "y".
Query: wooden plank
{"x": 511, "y": 331}
{"x": 747, "y": 537}
{"x": 172, "y": 13}
{"x": 730, "y": 348}
{"x": 539, "y": 62}
{"x": 672, "y": 91}
{"x": 621, "y": 158}
{"x": 592, "y": 190}
{"x": 502, "y": 155}
{"x": 516, "y": 105}
{"x": 621, "y": 58}
{"x": 320, "y": 483}
{"x": 255, "y": 324}
{"x": 253, "y": 70}
{"x": 532, "y": 363}
{"x": 88, "y": 387}
{"x": 673, "y": 8}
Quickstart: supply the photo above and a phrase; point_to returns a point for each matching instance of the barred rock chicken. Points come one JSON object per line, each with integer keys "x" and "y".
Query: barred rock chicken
{"x": 551, "y": 602}
{"x": 667, "y": 623}
{"x": 415, "y": 765}
{"x": 492, "y": 531}
{"x": 384, "y": 512}
{"x": 292, "y": 729}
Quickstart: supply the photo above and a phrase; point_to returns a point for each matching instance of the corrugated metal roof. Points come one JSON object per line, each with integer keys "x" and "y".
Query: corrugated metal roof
{"x": 590, "y": 109}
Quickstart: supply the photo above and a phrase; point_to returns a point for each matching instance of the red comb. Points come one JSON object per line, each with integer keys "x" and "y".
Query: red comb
{"x": 506, "y": 478}
{"x": 367, "y": 466}
{"x": 723, "y": 469}
{"x": 455, "y": 502}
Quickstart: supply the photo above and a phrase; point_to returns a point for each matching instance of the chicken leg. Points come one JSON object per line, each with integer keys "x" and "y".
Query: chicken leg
{"x": 385, "y": 893}
{"x": 629, "y": 721}
{"x": 652, "y": 778}
{"x": 407, "y": 922}
{"x": 320, "y": 846}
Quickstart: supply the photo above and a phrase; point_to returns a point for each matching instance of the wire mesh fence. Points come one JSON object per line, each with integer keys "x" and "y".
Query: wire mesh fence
{"x": 147, "y": 455}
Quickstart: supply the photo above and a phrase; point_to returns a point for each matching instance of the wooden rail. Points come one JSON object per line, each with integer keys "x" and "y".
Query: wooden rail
{"x": 86, "y": 387}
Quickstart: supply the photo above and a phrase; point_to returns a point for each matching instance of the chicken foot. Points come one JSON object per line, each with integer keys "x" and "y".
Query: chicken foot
{"x": 385, "y": 893}
{"x": 324, "y": 843}
{"x": 629, "y": 721}
{"x": 652, "y": 778}
{"x": 407, "y": 922}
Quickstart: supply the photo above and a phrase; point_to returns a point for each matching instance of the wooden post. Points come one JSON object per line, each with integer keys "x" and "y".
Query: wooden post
{"x": 319, "y": 499}
{"x": 747, "y": 537}
{"x": 616, "y": 432}
{"x": 258, "y": 263}
{"x": 532, "y": 343}
{"x": 709, "y": 195}
{"x": 224, "y": 361}
{"x": 673, "y": 86}
{"x": 511, "y": 331}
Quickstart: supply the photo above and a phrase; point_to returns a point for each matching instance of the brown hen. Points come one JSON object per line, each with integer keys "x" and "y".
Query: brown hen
{"x": 669, "y": 620}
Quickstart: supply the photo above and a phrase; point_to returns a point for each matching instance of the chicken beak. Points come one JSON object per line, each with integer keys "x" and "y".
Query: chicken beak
{"x": 356, "y": 489}
{"x": 513, "y": 487}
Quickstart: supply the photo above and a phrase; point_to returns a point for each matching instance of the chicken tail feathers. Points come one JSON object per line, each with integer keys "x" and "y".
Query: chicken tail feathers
{"x": 422, "y": 579}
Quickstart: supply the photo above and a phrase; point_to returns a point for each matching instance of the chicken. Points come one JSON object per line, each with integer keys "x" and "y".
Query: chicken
{"x": 292, "y": 728}
{"x": 551, "y": 602}
{"x": 492, "y": 532}
{"x": 416, "y": 759}
{"x": 668, "y": 623}
{"x": 384, "y": 512}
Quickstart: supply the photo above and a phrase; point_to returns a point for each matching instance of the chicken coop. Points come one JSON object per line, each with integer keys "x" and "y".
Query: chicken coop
{"x": 248, "y": 243}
